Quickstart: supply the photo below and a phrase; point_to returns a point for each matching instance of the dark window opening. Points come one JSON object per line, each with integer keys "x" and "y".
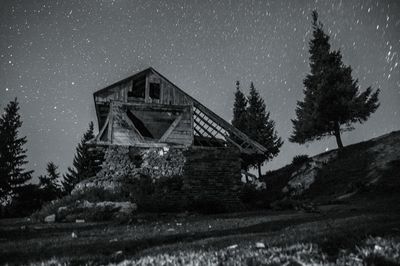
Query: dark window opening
{"x": 137, "y": 90}
{"x": 139, "y": 125}
{"x": 154, "y": 91}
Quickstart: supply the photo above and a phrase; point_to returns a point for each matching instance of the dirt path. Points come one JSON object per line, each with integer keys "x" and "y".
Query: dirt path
{"x": 22, "y": 241}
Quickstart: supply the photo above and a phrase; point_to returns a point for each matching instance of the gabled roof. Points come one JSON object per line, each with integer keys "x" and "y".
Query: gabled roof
{"x": 206, "y": 122}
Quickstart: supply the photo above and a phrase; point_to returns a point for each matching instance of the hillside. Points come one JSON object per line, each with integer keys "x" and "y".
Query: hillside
{"x": 355, "y": 220}
{"x": 367, "y": 171}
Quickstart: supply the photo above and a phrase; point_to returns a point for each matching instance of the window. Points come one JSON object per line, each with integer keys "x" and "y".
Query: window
{"x": 137, "y": 90}
{"x": 154, "y": 91}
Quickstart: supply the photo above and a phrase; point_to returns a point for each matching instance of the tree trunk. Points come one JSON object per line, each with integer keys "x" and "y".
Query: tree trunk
{"x": 337, "y": 135}
{"x": 259, "y": 170}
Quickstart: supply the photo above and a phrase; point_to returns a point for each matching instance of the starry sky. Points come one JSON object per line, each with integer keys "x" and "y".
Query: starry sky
{"x": 54, "y": 54}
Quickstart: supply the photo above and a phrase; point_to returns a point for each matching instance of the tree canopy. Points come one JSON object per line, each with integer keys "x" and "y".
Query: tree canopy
{"x": 251, "y": 117}
{"x": 13, "y": 176}
{"x": 332, "y": 101}
{"x": 83, "y": 164}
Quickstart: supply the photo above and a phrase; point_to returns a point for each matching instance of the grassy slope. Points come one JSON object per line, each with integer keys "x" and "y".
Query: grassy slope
{"x": 332, "y": 229}
{"x": 373, "y": 211}
{"x": 350, "y": 171}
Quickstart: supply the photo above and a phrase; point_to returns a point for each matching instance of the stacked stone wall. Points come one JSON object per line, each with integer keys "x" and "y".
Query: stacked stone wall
{"x": 213, "y": 175}
{"x": 207, "y": 174}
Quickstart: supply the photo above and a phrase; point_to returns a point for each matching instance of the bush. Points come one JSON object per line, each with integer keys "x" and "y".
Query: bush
{"x": 300, "y": 159}
{"x": 28, "y": 200}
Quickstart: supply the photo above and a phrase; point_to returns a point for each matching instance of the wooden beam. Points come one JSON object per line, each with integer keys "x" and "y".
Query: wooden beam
{"x": 171, "y": 128}
{"x": 228, "y": 127}
{"x": 110, "y": 123}
{"x": 130, "y": 123}
{"x": 206, "y": 131}
{"x": 147, "y": 90}
{"x": 156, "y": 107}
{"x": 198, "y": 132}
{"x": 98, "y": 137}
{"x": 223, "y": 134}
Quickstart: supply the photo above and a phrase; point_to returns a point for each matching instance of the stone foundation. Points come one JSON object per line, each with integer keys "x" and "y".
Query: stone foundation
{"x": 206, "y": 175}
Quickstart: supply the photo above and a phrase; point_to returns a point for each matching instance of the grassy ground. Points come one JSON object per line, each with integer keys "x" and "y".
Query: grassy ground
{"x": 334, "y": 229}
{"x": 363, "y": 229}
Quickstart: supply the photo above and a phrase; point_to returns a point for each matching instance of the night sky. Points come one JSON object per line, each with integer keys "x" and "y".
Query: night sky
{"x": 55, "y": 54}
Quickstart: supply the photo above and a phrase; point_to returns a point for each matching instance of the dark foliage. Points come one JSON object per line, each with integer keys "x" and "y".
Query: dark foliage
{"x": 332, "y": 99}
{"x": 13, "y": 176}
{"x": 25, "y": 203}
{"x": 83, "y": 164}
{"x": 300, "y": 159}
{"x": 253, "y": 198}
{"x": 48, "y": 184}
{"x": 239, "y": 109}
{"x": 250, "y": 116}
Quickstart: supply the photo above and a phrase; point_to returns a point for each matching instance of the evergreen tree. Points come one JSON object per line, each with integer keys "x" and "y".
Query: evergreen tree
{"x": 83, "y": 164}
{"x": 239, "y": 109}
{"x": 261, "y": 129}
{"x": 332, "y": 99}
{"x": 48, "y": 184}
{"x": 12, "y": 153}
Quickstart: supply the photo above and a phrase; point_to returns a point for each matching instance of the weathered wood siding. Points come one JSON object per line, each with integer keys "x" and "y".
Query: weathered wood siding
{"x": 169, "y": 94}
{"x": 157, "y": 121}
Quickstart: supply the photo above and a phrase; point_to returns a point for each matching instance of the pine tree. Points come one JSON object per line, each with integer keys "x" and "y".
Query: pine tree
{"x": 239, "y": 111}
{"x": 83, "y": 164}
{"x": 261, "y": 128}
{"x": 332, "y": 100}
{"x": 48, "y": 184}
{"x": 12, "y": 153}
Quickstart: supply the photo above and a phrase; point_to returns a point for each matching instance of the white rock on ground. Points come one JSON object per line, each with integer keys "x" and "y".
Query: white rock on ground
{"x": 50, "y": 219}
{"x": 302, "y": 179}
{"x": 124, "y": 207}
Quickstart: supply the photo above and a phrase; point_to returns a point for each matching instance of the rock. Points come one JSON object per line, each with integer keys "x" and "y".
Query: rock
{"x": 127, "y": 207}
{"x": 118, "y": 254}
{"x": 260, "y": 245}
{"x": 74, "y": 235}
{"x": 62, "y": 209}
{"x": 50, "y": 218}
{"x": 87, "y": 204}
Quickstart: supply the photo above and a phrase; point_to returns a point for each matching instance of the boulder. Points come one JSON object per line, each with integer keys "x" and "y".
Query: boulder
{"x": 50, "y": 219}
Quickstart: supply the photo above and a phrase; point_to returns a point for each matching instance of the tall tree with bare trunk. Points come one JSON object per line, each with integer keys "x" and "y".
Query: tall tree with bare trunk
{"x": 332, "y": 101}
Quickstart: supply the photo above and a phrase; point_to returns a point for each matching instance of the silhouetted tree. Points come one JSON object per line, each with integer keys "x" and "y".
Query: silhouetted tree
{"x": 12, "y": 154}
{"x": 48, "y": 184}
{"x": 239, "y": 109}
{"x": 261, "y": 129}
{"x": 332, "y": 99}
{"x": 83, "y": 164}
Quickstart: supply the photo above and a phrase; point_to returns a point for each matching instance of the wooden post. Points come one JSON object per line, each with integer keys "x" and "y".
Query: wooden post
{"x": 147, "y": 90}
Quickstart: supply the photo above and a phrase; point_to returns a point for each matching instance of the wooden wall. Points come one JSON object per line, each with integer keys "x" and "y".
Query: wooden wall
{"x": 169, "y": 94}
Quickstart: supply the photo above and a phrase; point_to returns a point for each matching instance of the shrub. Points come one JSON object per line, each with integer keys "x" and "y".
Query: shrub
{"x": 300, "y": 159}
{"x": 28, "y": 200}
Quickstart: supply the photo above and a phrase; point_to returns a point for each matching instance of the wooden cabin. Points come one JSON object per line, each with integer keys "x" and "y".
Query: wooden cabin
{"x": 147, "y": 110}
